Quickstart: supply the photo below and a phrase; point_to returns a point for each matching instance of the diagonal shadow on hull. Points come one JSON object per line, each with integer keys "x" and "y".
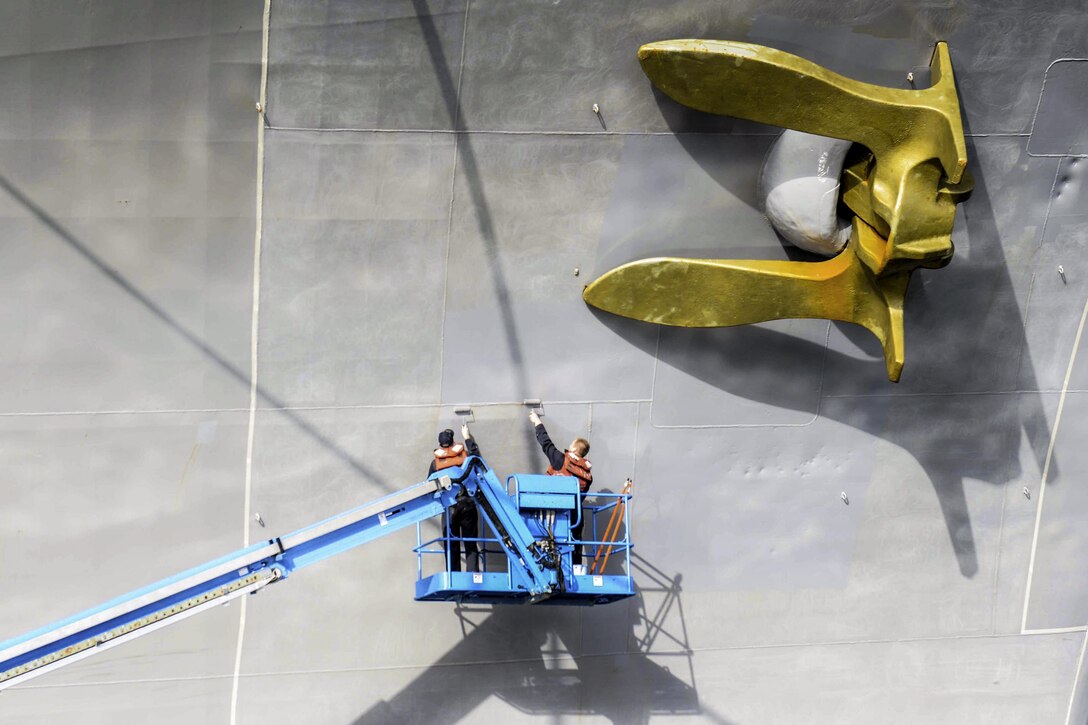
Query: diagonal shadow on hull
{"x": 165, "y": 317}
{"x": 478, "y": 203}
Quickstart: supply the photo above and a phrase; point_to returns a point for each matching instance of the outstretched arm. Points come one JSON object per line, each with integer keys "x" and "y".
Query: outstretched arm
{"x": 470, "y": 443}
{"x": 555, "y": 456}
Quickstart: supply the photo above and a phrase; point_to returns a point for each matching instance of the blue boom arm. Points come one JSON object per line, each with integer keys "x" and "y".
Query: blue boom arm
{"x": 242, "y": 572}
{"x": 536, "y": 568}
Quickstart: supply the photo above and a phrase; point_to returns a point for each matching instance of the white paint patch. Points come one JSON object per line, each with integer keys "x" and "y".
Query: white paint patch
{"x": 205, "y": 432}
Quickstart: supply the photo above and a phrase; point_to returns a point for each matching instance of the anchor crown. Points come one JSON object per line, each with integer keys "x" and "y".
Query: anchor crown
{"x": 901, "y": 181}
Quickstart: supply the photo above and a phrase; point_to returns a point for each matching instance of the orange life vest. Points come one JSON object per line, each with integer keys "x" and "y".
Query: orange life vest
{"x": 449, "y": 457}
{"x": 575, "y": 466}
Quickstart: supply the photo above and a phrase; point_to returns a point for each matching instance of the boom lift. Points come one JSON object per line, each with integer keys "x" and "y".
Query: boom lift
{"x": 531, "y": 518}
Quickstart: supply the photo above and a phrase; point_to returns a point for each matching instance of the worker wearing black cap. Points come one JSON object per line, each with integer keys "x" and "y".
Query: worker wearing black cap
{"x": 464, "y": 520}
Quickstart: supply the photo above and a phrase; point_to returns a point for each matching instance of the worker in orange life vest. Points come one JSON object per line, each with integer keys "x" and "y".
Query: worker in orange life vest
{"x": 464, "y": 519}
{"x": 571, "y": 462}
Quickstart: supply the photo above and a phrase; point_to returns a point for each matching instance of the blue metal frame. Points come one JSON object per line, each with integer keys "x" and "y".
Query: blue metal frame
{"x": 532, "y": 500}
{"x": 619, "y": 545}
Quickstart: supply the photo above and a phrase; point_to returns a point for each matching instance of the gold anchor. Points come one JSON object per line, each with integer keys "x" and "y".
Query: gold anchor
{"x": 902, "y": 184}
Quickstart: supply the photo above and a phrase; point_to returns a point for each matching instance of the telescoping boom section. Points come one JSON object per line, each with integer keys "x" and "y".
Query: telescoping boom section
{"x": 530, "y": 524}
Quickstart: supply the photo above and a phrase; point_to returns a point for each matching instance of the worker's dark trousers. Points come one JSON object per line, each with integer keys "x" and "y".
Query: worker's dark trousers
{"x": 576, "y": 532}
{"x": 465, "y": 523}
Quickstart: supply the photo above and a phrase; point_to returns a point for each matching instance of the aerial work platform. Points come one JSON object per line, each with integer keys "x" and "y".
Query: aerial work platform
{"x": 550, "y": 507}
{"x": 530, "y": 521}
